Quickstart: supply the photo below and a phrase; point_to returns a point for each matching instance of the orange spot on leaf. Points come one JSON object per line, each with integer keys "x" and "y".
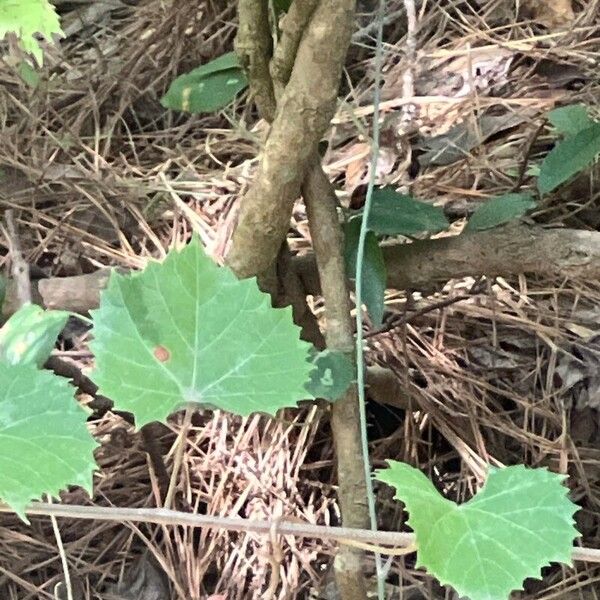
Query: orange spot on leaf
{"x": 161, "y": 354}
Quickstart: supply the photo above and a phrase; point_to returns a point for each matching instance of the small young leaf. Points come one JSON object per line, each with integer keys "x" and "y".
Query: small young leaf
{"x": 207, "y": 88}
{"x": 570, "y": 120}
{"x": 45, "y": 445}
{"x": 226, "y": 61}
{"x": 187, "y": 331}
{"x": 521, "y": 521}
{"x": 29, "y": 75}
{"x": 374, "y": 273}
{"x": 28, "y": 337}
{"x": 398, "y": 214}
{"x": 498, "y": 211}
{"x": 26, "y": 18}
{"x": 569, "y": 157}
{"x": 332, "y": 375}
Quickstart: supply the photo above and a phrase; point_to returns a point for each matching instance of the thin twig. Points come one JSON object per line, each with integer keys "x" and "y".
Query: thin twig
{"x": 526, "y": 156}
{"x": 408, "y": 78}
{"x": 20, "y": 268}
{"x": 61, "y": 553}
{"x": 400, "y": 320}
{"x": 163, "y": 516}
{"x": 179, "y": 450}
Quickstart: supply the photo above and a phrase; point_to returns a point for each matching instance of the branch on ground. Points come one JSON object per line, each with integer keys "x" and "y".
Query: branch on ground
{"x": 503, "y": 252}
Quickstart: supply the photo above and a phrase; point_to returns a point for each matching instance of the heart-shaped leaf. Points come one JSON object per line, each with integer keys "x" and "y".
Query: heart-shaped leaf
{"x": 207, "y": 88}
{"x": 26, "y": 18}
{"x": 570, "y": 120}
{"x": 187, "y": 331}
{"x": 569, "y": 157}
{"x": 28, "y": 337}
{"x": 521, "y": 521}
{"x": 392, "y": 213}
{"x": 374, "y": 273}
{"x": 45, "y": 445}
{"x": 498, "y": 211}
{"x": 332, "y": 375}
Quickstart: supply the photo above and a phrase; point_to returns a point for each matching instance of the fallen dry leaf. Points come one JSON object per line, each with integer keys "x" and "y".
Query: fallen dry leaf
{"x": 551, "y": 13}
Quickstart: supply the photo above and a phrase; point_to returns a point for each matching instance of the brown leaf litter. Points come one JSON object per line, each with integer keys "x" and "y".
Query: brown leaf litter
{"x": 100, "y": 175}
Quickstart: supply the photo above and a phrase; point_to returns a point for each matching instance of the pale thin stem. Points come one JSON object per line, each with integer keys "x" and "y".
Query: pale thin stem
{"x": 62, "y": 553}
{"x": 162, "y": 516}
{"x": 179, "y": 450}
{"x": 360, "y": 359}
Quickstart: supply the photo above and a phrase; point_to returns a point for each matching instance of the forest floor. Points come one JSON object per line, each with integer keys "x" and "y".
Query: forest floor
{"x": 100, "y": 174}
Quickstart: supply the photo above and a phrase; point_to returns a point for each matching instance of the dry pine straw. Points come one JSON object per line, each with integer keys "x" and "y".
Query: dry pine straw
{"x": 102, "y": 175}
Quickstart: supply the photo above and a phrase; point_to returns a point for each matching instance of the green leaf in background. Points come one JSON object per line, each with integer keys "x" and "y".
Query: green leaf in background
{"x": 29, "y": 75}
{"x": 569, "y": 157}
{"x": 187, "y": 331}
{"x": 374, "y": 273}
{"x": 28, "y": 337}
{"x": 398, "y": 214}
{"x": 520, "y": 521}
{"x": 26, "y": 18}
{"x": 332, "y": 375}
{"x": 282, "y": 6}
{"x": 570, "y": 120}
{"x": 500, "y": 210}
{"x": 45, "y": 445}
{"x": 207, "y": 88}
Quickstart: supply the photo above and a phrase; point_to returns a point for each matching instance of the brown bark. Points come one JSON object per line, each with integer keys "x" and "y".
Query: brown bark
{"x": 504, "y": 252}
{"x": 327, "y": 240}
{"x": 254, "y": 45}
{"x": 292, "y": 28}
{"x": 304, "y": 111}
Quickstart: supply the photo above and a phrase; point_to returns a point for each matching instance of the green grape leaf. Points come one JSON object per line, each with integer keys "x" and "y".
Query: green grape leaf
{"x": 570, "y": 120}
{"x": 520, "y": 521}
{"x": 28, "y": 337}
{"x": 26, "y": 18}
{"x": 569, "y": 157}
{"x": 207, "y": 88}
{"x": 187, "y": 331}
{"x": 333, "y": 374}
{"x": 374, "y": 273}
{"x": 392, "y": 213}
{"x": 500, "y": 210}
{"x": 45, "y": 445}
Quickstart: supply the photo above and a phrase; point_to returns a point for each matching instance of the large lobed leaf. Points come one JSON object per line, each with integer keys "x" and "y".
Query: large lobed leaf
{"x": 187, "y": 331}
{"x": 521, "y": 521}
{"x": 44, "y": 441}
{"x": 26, "y": 18}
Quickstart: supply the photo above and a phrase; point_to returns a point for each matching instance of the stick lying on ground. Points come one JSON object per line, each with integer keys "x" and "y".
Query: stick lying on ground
{"x": 505, "y": 252}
